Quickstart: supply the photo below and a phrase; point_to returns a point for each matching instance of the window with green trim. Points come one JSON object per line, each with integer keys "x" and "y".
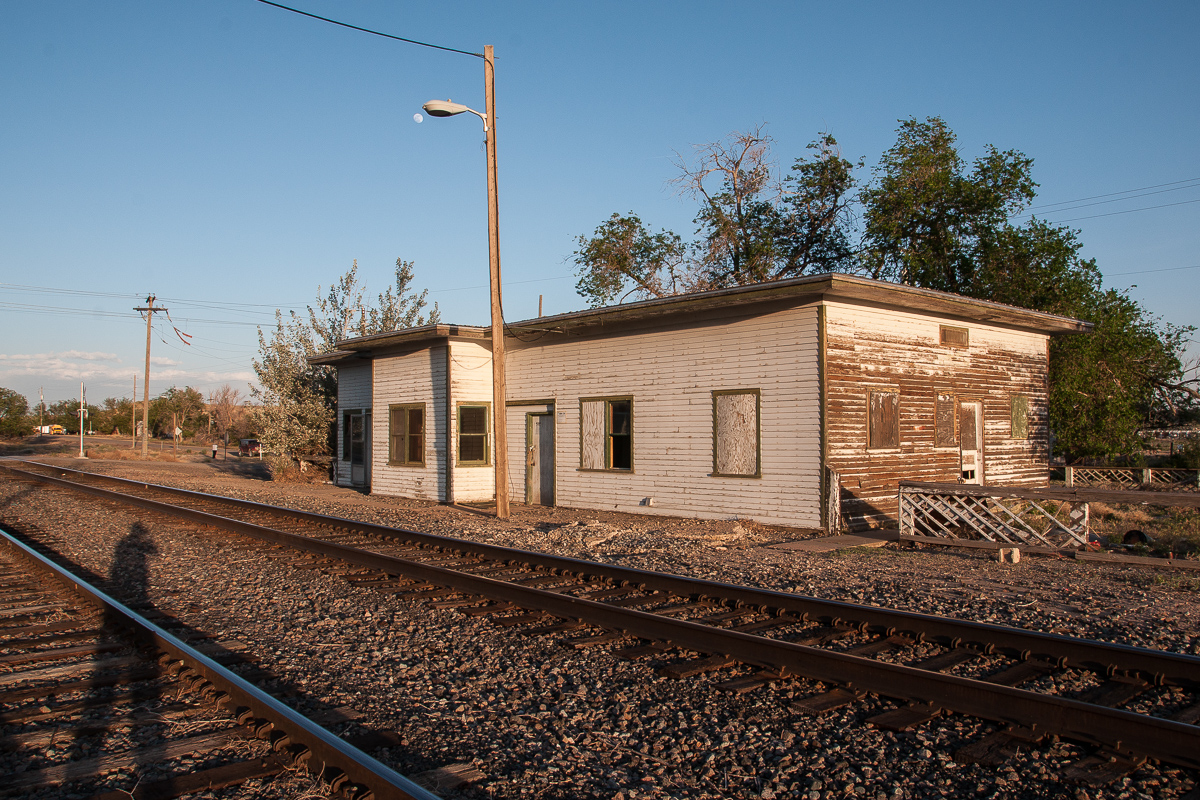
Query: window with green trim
{"x": 606, "y": 433}
{"x": 473, "y": 444}
{"x": 736, "y": 436}
{"x": 406, "y": 434}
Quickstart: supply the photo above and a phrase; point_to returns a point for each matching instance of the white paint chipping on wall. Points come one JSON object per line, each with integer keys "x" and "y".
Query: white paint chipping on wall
{"x": 671, "y": 370}
{"x": 354, "y": 392}
{"x": 471, "y": 382}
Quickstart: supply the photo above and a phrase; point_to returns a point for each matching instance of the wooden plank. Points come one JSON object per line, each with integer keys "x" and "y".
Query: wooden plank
{"x": 94, "y": 767}
{"x": 220, "y": 777}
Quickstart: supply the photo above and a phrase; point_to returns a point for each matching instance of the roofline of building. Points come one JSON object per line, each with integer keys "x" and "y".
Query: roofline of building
{"x": 835, "y": 285}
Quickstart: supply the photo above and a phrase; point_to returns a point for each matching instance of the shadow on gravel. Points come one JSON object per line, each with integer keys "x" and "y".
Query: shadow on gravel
{"x": 242, "y": 468}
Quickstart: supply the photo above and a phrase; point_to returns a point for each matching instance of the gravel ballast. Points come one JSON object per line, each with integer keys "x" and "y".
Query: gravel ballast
{"x": 541, "y": 720}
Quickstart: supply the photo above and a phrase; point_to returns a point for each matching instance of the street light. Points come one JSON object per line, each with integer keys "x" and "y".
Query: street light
{"x": 446, "y": 108}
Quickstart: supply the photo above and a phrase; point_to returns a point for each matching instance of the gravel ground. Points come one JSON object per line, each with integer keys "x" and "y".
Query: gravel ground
{"x": 540, "y": 720}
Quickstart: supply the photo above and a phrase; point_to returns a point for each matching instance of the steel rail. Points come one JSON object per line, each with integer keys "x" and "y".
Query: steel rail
{"x": 1104, "y": 658}
{"x": 1154, "y": 737}
{"x": 324, "y": 748}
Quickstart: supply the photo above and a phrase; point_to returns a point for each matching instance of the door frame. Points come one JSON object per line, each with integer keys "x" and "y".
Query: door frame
{"x": 979, "y": 439}
{"x": 529, "y": 415}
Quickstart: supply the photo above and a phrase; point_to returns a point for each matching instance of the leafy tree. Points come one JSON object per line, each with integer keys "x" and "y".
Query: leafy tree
{"x": 298, "y": 400}
{"x": 65, "y": 413}
{"x": 184, "y": 407}
{"x": 927, "y": 220}
{"x": 817, "y": 219}
{"x": 13, "y": 410}
{"x": 623, "y": 258}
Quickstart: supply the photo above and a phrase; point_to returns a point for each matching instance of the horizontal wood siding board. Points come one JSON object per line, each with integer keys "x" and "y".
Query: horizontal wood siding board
{"x": 878, "y": 349}
{"x": 471, "y": 382}
{"x": 670, "y": 371}
{"x": 416, "y": 377}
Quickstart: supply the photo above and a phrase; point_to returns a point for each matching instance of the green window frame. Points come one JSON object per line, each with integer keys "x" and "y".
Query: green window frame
{"x": 474, "y": 434}
{"x": 606, "y": 434}
{"x": 737, "y": 433}
{"x": 406, "y": 435}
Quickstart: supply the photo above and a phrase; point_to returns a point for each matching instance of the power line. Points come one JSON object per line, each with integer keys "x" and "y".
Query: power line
{"x": 368, "y": 30}
{"x": 1127, "y": 211}
{"x": 1113, "y": 194}
{"x": 1114, "y": 200}
{"x": 1147, "y": 271}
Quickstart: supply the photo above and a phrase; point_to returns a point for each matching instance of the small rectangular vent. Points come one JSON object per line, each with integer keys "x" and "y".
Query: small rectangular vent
{"x": 955, "y": 337}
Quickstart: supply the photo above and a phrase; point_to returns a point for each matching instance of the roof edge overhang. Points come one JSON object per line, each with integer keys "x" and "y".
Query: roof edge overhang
{"x": 814, "y": 287}
{"x": 805, "y": 289}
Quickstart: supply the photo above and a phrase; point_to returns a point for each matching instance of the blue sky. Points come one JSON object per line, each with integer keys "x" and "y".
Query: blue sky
{"x": 230, "y": 157}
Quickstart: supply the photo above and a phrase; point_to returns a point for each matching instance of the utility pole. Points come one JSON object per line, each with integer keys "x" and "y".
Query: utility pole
{"x": 82, "y": 417}
{"x": 149, "y": 309}
{"x": 133, "y": 416}
{"x": 41, "y": 408}
{"x": 499, "y": 412}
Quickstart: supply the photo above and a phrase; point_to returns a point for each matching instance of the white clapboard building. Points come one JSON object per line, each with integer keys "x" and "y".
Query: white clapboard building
{"x": 737, "y": 403}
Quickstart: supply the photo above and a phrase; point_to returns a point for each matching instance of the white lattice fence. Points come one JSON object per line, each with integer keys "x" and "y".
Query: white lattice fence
{"x": 993, "y": 516}
{"x": 1130, "y": 478}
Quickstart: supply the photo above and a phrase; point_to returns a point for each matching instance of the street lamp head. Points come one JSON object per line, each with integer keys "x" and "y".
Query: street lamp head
{"x": 443, "y": 108}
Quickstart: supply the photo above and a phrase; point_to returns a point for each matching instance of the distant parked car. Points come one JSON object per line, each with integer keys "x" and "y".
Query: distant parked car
{"x": 248, "y": 447}
{"x": 53, "y": 430}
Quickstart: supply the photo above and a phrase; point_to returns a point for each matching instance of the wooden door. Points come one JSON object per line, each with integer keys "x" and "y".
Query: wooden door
{"x": 970, "y": 441}
{"x": 539, "y": 459}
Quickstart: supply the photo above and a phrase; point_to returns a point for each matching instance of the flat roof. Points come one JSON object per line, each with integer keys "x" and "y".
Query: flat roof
{"x": 835, "y": 285}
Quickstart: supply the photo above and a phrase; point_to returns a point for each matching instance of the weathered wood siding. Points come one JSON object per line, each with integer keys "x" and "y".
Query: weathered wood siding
{"x": 671, "y": 370}
{"x": 471, "y": 382}
{"x": 417, "y": 377}
{"x": 873, "y": 348}
{"x": 354, "y": 393}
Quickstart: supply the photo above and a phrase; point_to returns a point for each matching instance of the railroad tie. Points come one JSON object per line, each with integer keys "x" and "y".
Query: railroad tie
{"x": 1102, "y": 768}
{"x": 817, "y": 704}
{"x": 687, "y": 669}
{"x": 906, "y": 717}
{"x": 749, "y": 683}
{"x": 997, "y": 747}
{"x": 639, "y": 651}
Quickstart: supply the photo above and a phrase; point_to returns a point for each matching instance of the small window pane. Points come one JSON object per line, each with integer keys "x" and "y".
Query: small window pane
{"x": 472, "y": 448}
{"x": 620, "y": 442}
{"x": 472, "y": 419}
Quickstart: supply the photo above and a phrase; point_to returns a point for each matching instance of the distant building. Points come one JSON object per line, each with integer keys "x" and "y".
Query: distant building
{"x": 744, "y": 402}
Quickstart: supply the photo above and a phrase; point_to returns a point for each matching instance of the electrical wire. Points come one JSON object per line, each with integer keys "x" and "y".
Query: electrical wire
{"x": 1114, "y": 200}
{"x": 1147, "y": 271}
{"x": 1113, "y": 194}
{"x": 1127, "y": 211}
{"x": 368, "y": 30}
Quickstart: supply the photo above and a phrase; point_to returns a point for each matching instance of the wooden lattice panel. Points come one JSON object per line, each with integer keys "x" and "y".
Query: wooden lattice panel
{"x": 993, "y": 518}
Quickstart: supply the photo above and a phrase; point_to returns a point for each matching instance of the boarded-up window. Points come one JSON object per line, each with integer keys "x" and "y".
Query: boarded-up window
{"x": 943, "y": 423}
{"x": 883, "y": 420}
{"x": 736, "y": 433}
{"x": 955, "y": 337}
{"x": 606, "y": 434}
{"x": 406, "y": 434}
{"x": 473, "y": 435}
{"x": 1020, "y": 416}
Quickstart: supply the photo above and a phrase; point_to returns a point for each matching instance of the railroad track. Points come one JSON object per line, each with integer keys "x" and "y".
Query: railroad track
{"x": 1140, "y": 704}
{"x": 94, "y": 696}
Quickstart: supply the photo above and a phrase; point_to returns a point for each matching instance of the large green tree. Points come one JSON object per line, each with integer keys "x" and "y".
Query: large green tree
{"x": 13, "y": 414}
{"x": 298, "y": 400}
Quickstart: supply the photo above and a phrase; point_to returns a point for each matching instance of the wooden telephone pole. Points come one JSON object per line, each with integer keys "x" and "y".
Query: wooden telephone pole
{"x": 149, "y": 308}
